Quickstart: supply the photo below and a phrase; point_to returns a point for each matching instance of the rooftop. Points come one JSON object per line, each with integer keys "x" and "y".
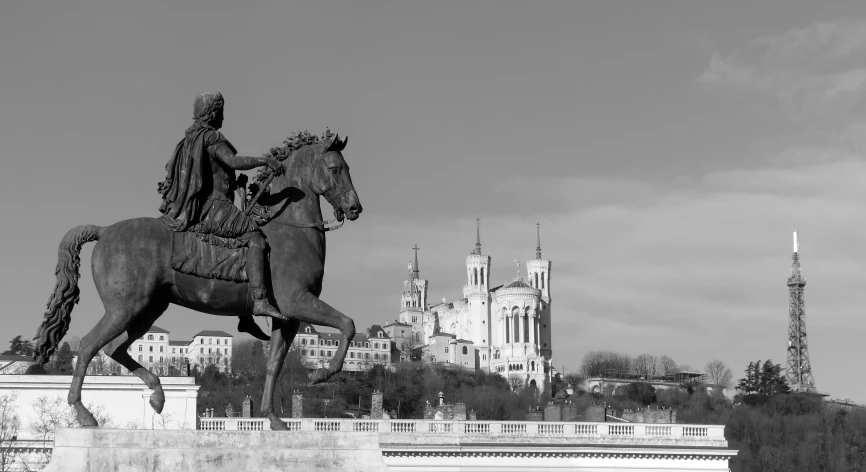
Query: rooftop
{"x": 221, "y": 334}
{"x": 157, "y": 329}
{"x": 179, "y": 343}
{"x": 517, "y": 283}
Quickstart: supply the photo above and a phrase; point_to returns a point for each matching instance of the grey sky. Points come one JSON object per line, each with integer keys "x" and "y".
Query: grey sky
{"x": 667, "y": 148}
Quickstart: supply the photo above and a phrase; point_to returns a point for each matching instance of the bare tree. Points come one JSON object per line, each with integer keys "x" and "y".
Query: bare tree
{"x": 516, "y": 384}
{"x": 718, "y": 373}
{"x": 9, "y": 425}
{"x": 604, "y": 363}
{"x": 667, "y": 366}
{"x": 646, "y": 365}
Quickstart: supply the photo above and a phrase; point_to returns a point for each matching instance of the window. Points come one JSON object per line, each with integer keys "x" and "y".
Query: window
{"x": 161, "y": 348}
{"x": 139, "y": 358}
{"x": 375, "y": 345}
{"x": 201, "y": 360}
{"x": 367, "y": 345}
{"x": 542, "y": 280}
{"x": 162, "y": 338}
{"x": 352, "y": 354}
{"x": 465, "y": 350}
{"x": 322, "y": 353}
{"x": 150, "y": 358}
{"x": 381, "y": 334}
{"x": 484, "y": 357}
{"x": 226, "y": 341}
{"x": 225, "y": 350}
{"x": 366, "y": 355}
{"x": 202, "y": 341}
{"x": 304, "y": 352}
{"x": 161, "y": 359}
{"x": 329, "y": 342}
{"x": 336, "y": 343}
{"x": 307, "y": 329}
{"x": 475, "y": 275}
{"x": 321, "y": 342}
{"x": 150, "y": 348}
{"x": 218, "y": 341}
{"x": 482, "y": 276}
{"x": 376, "y": 356}
{"x": 208, "y": 350}
{"x": 201, "y": 349}
{"x": 210, "y": 341}
{"x": 173, "y": 350}
{"x": 446, "y": 349}
{"x": 150, "y": 337}
{"x": 140, "y": 348}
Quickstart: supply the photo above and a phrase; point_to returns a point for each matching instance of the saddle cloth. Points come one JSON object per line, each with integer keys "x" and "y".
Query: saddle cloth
{"x": 208, "y": 256}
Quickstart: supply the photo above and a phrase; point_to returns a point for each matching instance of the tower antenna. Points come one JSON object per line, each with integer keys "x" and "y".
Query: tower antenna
{"x": 799, "y": 370}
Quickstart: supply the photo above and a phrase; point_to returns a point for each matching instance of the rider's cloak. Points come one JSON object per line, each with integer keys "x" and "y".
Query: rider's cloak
{"x": 188, "y": 182}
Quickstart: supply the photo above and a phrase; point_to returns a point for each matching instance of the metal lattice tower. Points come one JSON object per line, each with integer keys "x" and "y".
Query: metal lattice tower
{"x": 799, "y": 370}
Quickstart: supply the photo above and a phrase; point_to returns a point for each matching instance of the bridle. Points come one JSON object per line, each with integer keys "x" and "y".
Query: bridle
{"x": 326, "y": 225}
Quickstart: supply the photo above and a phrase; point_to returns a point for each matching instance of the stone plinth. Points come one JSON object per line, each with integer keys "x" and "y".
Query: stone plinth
{"x": 535, "y": 415}
{"x": 652, "y": 416}
{"x": 104, "y": 450}
{"x": 297, "y": 405}
{"x": 247, "y": 407}
{"x": 376, "y": 406}
{"x": 553, "y": 412}
{"x": 595, "y": 414}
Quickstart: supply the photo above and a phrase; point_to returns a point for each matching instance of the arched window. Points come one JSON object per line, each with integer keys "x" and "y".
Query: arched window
{"x": 465, "y": 350}
{"x": 542, "y": 280}
{"x": 161, "y": 338}
{"x": 475, "y": 274}
{"x": 482, "y": 276}
{"x": 150, "y": 337}
{"x": 536, "y": 280}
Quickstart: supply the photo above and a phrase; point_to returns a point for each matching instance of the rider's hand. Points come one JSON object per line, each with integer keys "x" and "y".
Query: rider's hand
{"x": 275, "y": 166}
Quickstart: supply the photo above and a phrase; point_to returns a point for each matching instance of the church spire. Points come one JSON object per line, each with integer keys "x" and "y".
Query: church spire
{"x": 538, "y": 247}
{"x": 416, "y": 249}
{"x": 478, "y": 236}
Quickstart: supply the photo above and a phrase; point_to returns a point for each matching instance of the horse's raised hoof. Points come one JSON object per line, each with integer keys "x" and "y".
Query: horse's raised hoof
{"x": 320, "y": 376}
{"x": 246, "y": 324}
{"x": 157, "y": 401}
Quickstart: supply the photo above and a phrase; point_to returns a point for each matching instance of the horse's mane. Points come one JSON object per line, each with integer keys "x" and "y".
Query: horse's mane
{"x": 292, "y": 143}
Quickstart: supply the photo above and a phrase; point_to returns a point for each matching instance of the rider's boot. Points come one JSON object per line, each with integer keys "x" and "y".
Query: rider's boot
{"x": 246, "y": 324}
{"x": 256, "y": 274}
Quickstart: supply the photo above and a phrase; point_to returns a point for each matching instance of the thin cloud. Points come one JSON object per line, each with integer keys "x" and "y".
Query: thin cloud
{"x": 810, "y": 70}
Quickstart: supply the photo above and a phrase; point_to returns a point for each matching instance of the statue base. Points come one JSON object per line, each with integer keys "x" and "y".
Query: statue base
{"x": 97, "y": 450}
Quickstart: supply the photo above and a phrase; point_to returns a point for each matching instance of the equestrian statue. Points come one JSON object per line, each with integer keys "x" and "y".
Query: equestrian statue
{"x": 264, "y": 258}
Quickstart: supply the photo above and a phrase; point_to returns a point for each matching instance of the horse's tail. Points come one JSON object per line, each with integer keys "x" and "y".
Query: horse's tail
{"x": 65, "y": 296}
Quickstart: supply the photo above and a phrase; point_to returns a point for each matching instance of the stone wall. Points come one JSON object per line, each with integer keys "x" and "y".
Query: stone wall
{"x": 376, "y": 406}
{"x": 654, "y": 416}
{"x": 124, "y": 400}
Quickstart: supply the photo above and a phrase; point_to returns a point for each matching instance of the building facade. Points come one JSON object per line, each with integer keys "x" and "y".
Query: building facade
{"x": 157, "y": 353}
{"x": 507, "y": 328}
{"x": 316, "y": 348}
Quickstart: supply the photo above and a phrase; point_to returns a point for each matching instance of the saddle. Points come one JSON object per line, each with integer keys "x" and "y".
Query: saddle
{"x": 208, "y": 256}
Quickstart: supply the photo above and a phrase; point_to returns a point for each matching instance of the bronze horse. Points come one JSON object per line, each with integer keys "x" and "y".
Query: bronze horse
{"x": 136, "y": 284}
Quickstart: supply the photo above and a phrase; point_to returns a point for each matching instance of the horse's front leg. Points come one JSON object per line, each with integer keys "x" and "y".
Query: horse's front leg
{"x": 314, "y": 311}
{"x": 279, "y": 348}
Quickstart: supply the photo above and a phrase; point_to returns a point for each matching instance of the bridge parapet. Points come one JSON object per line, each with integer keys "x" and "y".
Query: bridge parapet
{"x": 462, "y": 432}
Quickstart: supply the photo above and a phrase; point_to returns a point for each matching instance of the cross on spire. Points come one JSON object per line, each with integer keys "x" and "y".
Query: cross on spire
{"x": 478, "y": 236}
{"x": 538, "y": 247}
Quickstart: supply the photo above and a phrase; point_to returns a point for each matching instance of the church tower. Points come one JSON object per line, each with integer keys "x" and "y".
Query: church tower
{"x": 413, "y": 301}
{"x": 476, "y": 327}
{"x": 799, "y": 370}
{"x": 538, "y": 272}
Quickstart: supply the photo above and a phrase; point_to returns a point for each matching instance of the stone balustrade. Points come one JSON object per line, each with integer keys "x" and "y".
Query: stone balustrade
{"x": 698, "y": 435}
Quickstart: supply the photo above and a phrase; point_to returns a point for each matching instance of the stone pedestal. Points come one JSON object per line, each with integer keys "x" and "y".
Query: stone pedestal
{"x": 376, "y": 406}
{"x": 104, "y": 450}
{"x": 297, "y": 405}
{"x": 247, "y": 407}
{"x": 553, "y": 412}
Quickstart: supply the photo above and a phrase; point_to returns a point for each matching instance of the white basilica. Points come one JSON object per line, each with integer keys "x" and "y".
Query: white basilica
{"x": 508, "y": 327}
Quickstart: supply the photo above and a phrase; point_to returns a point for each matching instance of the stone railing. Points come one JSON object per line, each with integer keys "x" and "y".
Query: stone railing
{"x": 475, "y": 429}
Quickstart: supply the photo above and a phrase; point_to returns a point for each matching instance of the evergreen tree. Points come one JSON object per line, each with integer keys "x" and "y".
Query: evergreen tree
{"x": 19, "y": 347}
{"x": 747, "y": 384}
{"x": 61, "y": 363}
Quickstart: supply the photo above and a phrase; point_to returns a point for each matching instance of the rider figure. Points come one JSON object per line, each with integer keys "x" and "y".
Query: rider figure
{"x": 198, "y": 196}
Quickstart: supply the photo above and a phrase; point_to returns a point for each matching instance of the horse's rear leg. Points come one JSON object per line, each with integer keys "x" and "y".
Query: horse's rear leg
{"x": 108, "y": 328}
{"x": 117, "y": 350}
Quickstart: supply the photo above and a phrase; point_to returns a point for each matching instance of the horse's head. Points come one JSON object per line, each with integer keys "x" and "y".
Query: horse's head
{"x": 317, "y": 166}
{"x": 330, "y": 178}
